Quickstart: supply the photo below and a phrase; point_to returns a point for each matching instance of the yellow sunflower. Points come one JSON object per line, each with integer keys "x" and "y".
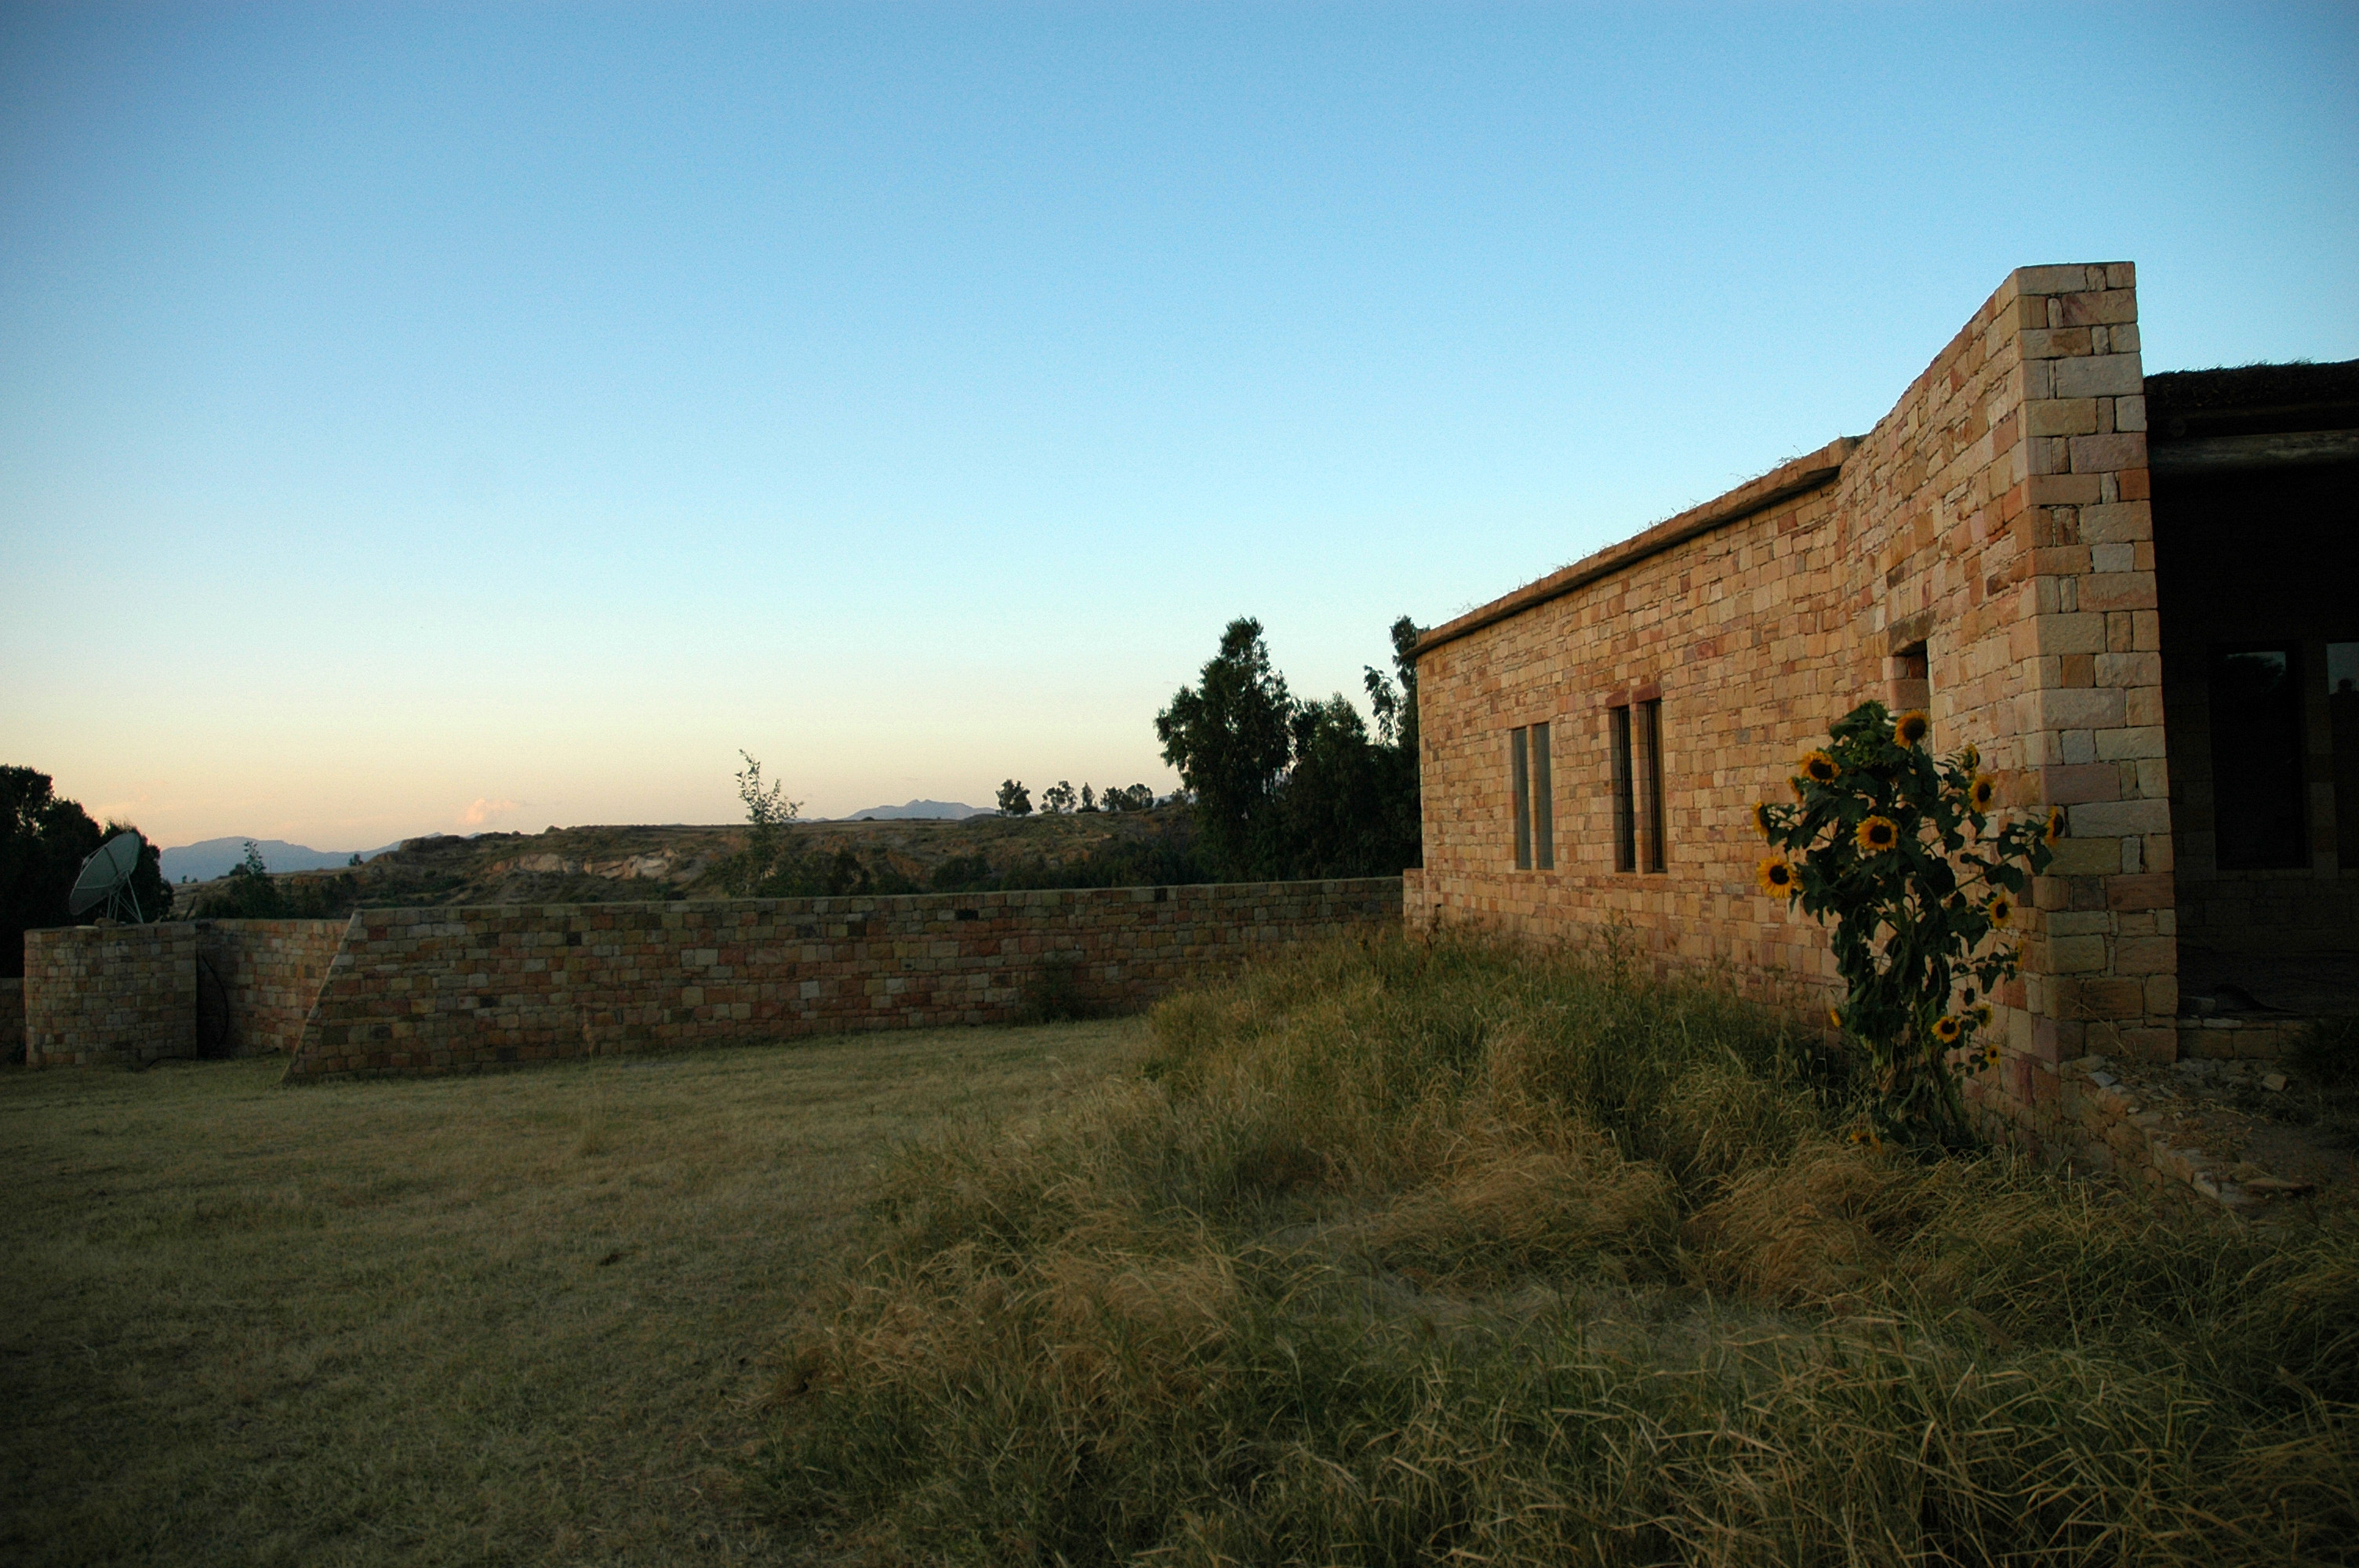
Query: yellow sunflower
{"x": 2055, "y": 823}
{"x": 1796, "y": 784}
{"x": 1819, "y": 768}
{"x": 1776, "y": 877}
{"x": 1983, "y": 1017}
{"x": 1971, "y": 758}
{"x": 1761, "y": 822}
{"x": 1946, "y": 1028}
{"x": 1983, "y": 793}
{"x": 1914, "y": 726}
{"x": 2001, "y": 910}
{"x": 1876, "y": 835}
{"x": 1990, "y": 1055}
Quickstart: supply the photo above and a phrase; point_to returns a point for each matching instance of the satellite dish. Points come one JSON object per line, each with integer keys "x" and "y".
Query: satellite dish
{"x": 106, "y": 879}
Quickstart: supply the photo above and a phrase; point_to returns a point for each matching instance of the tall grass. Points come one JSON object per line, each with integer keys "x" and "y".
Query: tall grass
{"x": 1400, "y": 1254}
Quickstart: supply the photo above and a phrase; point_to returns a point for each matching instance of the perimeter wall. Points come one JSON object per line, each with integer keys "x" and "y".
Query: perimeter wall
{"x": 270, "y": 972}
{"x": 418, "y": 991}
{"x": 109, "y": 995}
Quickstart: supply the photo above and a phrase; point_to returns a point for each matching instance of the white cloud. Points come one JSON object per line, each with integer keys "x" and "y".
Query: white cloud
{"x": 483, "y": 811}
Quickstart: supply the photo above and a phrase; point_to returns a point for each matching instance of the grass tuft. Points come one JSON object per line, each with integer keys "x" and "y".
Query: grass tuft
{"x": 1396, "y": 1254}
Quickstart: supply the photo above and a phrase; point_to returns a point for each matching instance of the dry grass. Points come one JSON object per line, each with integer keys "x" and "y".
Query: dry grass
{"x": 1408, "y": 1256}
{"x": 505, "y": 1319}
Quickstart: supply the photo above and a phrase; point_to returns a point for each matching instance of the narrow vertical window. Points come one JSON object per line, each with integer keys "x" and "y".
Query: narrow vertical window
{"x": 2343, "y": 722}
{"x": 1518, "y": 768}
{"x": 2256, "y": 761}
{"x": 1543, "y": 802}
{"x": 1625, "y": 816}
{"x": 1650, "y": 738}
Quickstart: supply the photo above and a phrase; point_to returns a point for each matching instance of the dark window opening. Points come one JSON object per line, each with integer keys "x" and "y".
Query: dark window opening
{"x": 2342, "y": 719}
{"x": 1543, "y": 801}
{"x": 1650, "y": 774}
{"x": 1625, "y": 816}
{"x": 1911, "y": 678}
{"x": 1534, "y": 789}
{"x": 1518, "y": 767}
{"x": 2256, "y": 793}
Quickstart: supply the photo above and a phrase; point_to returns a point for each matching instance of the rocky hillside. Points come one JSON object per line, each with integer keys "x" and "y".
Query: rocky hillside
{"x": 605, "y": 865}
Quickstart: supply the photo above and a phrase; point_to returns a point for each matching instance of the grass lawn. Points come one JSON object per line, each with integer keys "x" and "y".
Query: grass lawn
{"x": 505, "y": 1319}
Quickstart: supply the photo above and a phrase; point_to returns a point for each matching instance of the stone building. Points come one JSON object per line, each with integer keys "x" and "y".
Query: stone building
{"x": 2135, "y": 595}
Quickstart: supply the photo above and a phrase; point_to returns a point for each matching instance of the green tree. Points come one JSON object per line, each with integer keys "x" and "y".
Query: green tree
{"x": 1336, "y": 814}
{"x": 1231, "y": 737}
{"x": 1896, "y": 850}
{"x": 768, "y": 810}
{"x": 44, "y": 839}
{"x": 1399, "y": 802}
{"x": 1015, "y": 800}
{"x": 1058, "y": 799}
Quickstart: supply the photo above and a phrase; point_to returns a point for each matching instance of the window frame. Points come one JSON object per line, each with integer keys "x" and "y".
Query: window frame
{"x": 1626, "y": 814}
{"x": 1531, "y": 771}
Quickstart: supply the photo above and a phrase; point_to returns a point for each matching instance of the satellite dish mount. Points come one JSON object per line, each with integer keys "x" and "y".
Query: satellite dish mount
{"x": 106, "y": 881}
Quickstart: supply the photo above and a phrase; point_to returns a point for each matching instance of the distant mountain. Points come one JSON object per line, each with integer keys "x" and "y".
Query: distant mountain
{"x": 950, "y": 810}
{"x": 214, "y": 857}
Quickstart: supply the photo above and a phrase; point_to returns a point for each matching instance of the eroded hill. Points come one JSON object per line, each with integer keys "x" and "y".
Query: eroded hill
{"x": 603, "y": 865}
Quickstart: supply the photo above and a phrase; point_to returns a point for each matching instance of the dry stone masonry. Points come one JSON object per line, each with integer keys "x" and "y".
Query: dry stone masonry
{"x": 442, "y": 990}
{"x": 456, "y": 990}
{"x": 1985, "y": 552}
{"x": 109, "y": 995}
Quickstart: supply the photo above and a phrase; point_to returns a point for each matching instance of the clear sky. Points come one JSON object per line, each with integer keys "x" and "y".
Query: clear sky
{"x": 421, "y": 418}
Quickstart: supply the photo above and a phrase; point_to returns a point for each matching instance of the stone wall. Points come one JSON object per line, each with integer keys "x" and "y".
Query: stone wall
{"x": 440, "y": 991}
{"x": 1986, "y": 551}
{"x": 109, "y": 995}
{"x": 270, "y": 971}
{"x": 12, "y": 1018}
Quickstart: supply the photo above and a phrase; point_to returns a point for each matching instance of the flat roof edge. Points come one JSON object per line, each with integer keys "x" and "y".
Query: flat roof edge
{"x": 1784, "y": 483}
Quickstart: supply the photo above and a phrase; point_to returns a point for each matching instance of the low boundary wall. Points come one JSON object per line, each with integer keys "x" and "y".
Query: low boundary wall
{"x": 109, "y": 995}
{"x": 271, "y": 971}
{"x": 451, "y": 991}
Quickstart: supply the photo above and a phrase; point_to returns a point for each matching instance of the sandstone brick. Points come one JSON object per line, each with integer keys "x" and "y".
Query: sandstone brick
{"x": 2100, "y": 375}
{"x": 2118, "y": 817}
{"x": 2102, "y": 307}
{"x": 2090, "y": 781}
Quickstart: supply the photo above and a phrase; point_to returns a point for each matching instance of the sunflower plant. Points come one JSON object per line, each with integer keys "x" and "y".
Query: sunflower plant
{"x": 1899, "y": 853}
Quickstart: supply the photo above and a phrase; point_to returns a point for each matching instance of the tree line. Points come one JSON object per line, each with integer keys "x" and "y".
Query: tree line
{"x": 1283, "y": 787}
{"x": 1276, "y": 787}
{"x": 44, "y": 839}
{"x": 1058, "y": 799}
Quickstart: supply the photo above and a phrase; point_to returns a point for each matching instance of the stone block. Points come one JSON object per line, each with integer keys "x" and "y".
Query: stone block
{"x": 2117, "y": 522}
{"x": 2100, "y": 375}
{"x": 2151, "y": 891}
{"x": 2083, "y": 708}
{"x": 2104, "y": 454}
{"x": 2118, "y": 818}
{"x": 2131, "y": 742}
{"x": 2071, "y": 784}
{"x": 2075, "y": 954}
{"x": 2086, "y": 858}
{"x": 2062, "y": 416}
{"x": 2118, "y": 590}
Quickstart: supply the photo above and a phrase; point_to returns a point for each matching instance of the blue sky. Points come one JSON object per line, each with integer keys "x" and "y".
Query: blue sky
{"x": 421, "y": 419}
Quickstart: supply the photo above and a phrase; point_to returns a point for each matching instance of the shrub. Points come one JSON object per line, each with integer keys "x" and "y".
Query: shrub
{"x": 1895, "y": 849}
